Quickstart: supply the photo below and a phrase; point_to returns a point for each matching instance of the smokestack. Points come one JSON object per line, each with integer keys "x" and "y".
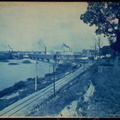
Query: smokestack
{"x": 45, "y": 50}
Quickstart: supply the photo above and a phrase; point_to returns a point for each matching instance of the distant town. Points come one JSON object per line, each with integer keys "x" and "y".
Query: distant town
{"x": 88, "y": 53}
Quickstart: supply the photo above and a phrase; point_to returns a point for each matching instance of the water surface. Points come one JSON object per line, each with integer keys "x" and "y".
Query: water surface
{"x": 10, "y": 74}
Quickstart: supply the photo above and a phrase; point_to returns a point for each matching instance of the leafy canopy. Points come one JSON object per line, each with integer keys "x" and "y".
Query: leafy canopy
{"x": 105, "y": 16}
{"x": 106, "y": 50}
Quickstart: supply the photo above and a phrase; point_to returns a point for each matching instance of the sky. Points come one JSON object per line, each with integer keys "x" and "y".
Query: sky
{"x": 34, "y": 25}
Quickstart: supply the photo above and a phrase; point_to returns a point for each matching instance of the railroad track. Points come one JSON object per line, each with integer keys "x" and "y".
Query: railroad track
{"x": 20, "y": 107}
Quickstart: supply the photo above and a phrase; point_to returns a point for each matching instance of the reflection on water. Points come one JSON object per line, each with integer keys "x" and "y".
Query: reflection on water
{"x": 10, "y": 74}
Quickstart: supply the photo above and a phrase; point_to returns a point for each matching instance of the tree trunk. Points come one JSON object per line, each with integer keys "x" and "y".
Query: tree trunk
{"x": 116, "y": 47}
{"x": 116, "y": 65}
{"x": 118, "y": 37}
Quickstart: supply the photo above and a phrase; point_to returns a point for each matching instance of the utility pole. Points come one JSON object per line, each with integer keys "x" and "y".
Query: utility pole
{"x": 49, "y": 71}
{"x": 54, "y": 79}
{"x": 84, "y": 65}
{"x": 95, "y": 49}
{"x": 36, "y": 77}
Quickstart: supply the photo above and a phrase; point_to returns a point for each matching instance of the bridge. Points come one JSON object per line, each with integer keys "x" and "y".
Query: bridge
{"x": 39, "y": 55}
{"x": 55, "y": 57}
{"x": 43, "y": 57}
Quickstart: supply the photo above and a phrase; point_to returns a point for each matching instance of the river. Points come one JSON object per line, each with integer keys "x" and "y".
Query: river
{"x": 10, "y": 74}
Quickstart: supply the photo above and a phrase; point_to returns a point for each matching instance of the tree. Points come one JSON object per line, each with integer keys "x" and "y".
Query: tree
{"x": 106, "y": 17}
{"x": 106, "y": 50}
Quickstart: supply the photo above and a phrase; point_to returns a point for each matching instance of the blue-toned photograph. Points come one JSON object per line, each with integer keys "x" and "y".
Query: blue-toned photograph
{"x": 60, "y": 59}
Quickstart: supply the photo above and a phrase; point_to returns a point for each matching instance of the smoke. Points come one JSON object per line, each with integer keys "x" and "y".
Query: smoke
{"x": 64, "y": 45}
{"x": 61, "y": 47}
{"x": 9, "y": 46}
{"x": 41, "y": 44}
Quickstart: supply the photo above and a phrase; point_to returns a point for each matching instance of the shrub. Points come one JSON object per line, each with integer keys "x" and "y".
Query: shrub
{"x": 19, "y": 85}
{"x": 12, "y": 89}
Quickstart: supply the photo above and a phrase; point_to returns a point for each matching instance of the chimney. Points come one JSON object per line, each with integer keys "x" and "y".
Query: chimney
{"x": 45, "y": 50}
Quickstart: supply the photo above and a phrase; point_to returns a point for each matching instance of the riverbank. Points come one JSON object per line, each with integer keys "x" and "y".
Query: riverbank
{"x": 22, "y": 89}
{"x": 95, "y": 93}
{"x": 20, "y": 71}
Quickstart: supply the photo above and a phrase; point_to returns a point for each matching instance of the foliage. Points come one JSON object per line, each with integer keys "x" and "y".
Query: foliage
{"x": 106, "y": 17}
{"x": 12, "y": 89}
{"x": 107, "y": 91}
{"x": 106, "y": 50}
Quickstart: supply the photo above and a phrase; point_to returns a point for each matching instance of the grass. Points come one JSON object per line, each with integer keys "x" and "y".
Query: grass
{"x": 106, "y": 96}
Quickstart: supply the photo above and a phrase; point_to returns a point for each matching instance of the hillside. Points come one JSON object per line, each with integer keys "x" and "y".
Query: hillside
{"x": 94, "y": 93}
